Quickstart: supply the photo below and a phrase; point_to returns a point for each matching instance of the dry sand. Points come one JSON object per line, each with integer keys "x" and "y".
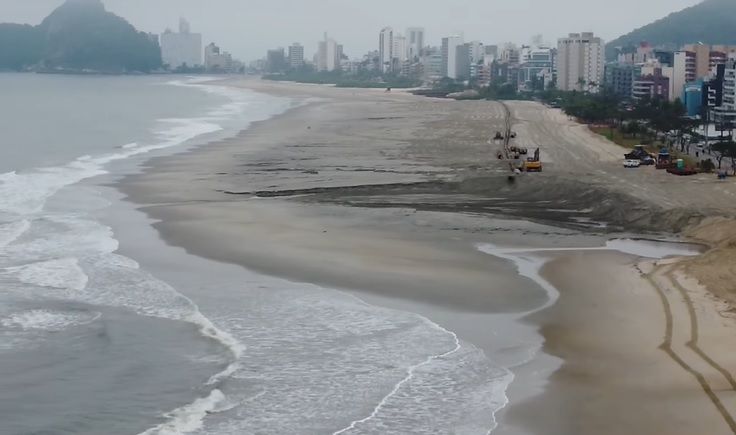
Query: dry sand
{"x": 424, "y": 187}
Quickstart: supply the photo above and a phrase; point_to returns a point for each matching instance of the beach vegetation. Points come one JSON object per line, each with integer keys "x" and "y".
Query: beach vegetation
{"x": 342, "y": 79}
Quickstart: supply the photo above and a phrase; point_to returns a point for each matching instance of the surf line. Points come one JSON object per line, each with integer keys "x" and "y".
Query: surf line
{"x": 190, "y": 417}
{"x": 409, "y": 376}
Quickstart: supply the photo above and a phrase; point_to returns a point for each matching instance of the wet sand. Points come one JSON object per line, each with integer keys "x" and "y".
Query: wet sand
{"x": 388, "y": 195}
{"x": 609, "y": 327}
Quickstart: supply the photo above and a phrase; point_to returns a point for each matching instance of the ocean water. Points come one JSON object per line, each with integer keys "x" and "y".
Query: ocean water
{"x": 95, "y": 339}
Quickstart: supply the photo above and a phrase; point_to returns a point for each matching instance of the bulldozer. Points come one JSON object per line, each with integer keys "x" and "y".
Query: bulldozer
{"x": 534, "y": 164}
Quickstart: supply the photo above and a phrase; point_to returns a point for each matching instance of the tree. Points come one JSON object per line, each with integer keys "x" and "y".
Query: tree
{"x": 723, "y": 150}
{"x": 591, "y": 108}
{"x": 707, "y": 165}
{"x": 633, "y": 128}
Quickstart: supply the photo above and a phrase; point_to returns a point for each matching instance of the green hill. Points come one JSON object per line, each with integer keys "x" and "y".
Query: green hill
{"x": 80, "y": 35}
{"x": 710, "y": 22}
{"x": 20, "y": 46}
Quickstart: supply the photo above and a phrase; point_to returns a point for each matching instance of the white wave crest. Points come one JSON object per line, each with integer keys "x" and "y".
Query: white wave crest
{"x": 49, "y": 321}
{"x": 59, "y": 274}
{"x": 12, "y": 231}
{"x": 190, "y": 418}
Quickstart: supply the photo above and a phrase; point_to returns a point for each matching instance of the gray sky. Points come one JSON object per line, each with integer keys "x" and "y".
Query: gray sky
{"x": 247, "y": 28}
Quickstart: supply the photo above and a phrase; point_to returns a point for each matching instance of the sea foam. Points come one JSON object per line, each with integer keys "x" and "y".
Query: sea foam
{"x": 48, "y": 321}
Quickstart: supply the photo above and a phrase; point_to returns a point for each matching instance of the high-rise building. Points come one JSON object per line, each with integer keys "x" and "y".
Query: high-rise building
{"x": 328, "y": 55}
{"x": 655, "y": 85}
{"x": 717, "y": 58}
{"x": 296, "y": 55}
{"x": 510, "y": 54}
{"x": 476, "y": 54}
{"x": 692, "y": 98}
{"x": 415, "y": 42}
{"x": 386, "y": 49}
{"x": 476, "y": 51}
{"x": 713, "y": 88}
{"x": 619, "y": 78}
{"x": 450, "y": 46}
{"x": 490, "y": 55}
{"x": 210, "y": 52}
{"x": 463, "y": 64}
{"x": 580, "y": 62}
{"x": 491, "y": 50}
{"x": 216, "y": 60}
{"x": 400, "y": 49}
{"x": 726, "y": 112}
{"x": 702, "y": 58}
{"x": 432, "y": 63}
{"x": 183, "y": 48}
{"x": 276, "y": 60}
{"x": 654, "y": 68}
{"x": 665, "y": 57}
{"x": 684, "y": 65}
{"x": 537, "y": 68}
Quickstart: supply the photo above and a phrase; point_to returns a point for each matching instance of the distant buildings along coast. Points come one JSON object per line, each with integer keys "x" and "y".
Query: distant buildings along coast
{"x": 701, "y": 76}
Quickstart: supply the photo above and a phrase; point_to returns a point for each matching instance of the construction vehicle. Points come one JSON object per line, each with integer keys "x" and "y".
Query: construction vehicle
{"x": 518, "y": 150}
{"x": 639, "y": 153}
{"x": 679, "y": 168}
{"x": 664, "y": 159}
{"x": 534, "y": 164}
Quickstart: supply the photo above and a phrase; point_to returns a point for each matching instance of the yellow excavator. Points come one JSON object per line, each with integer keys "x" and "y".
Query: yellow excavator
{"x": 534, "y": 164}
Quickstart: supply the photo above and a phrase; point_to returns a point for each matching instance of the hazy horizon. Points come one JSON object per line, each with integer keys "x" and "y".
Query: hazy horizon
{"x": 247, "y": 31}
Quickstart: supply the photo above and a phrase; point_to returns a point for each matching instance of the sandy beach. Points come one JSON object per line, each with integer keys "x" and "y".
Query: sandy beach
{"x": 388, "y": 196}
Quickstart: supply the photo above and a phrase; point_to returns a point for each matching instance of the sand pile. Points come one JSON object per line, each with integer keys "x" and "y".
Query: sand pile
{"x": 716, "y": 269}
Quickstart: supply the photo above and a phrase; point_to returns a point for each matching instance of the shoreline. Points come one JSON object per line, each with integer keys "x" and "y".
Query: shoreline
{"x": 682, "y": 375}
{"x": 631, "y": 374}
{"x": 351, "y": 220}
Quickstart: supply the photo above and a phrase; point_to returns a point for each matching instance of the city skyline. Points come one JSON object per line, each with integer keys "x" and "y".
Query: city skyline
{"x": 232, "y": 24}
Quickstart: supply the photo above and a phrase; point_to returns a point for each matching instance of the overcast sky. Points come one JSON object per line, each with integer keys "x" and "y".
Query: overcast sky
{"x": 247, "y": 28}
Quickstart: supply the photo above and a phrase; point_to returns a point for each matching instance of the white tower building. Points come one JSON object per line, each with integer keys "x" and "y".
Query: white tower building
{"x": 183, "y": 48}
{"x": 580, "y": 62}
{"x": 450, "y": 46}
{"x": 386, "y": 49}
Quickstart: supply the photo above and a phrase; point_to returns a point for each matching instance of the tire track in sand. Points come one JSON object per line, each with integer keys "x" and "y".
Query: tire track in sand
{"x": 667, "y": 346}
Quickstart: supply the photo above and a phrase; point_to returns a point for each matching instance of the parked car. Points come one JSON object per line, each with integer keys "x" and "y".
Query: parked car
{"x": 631, "y": 163}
